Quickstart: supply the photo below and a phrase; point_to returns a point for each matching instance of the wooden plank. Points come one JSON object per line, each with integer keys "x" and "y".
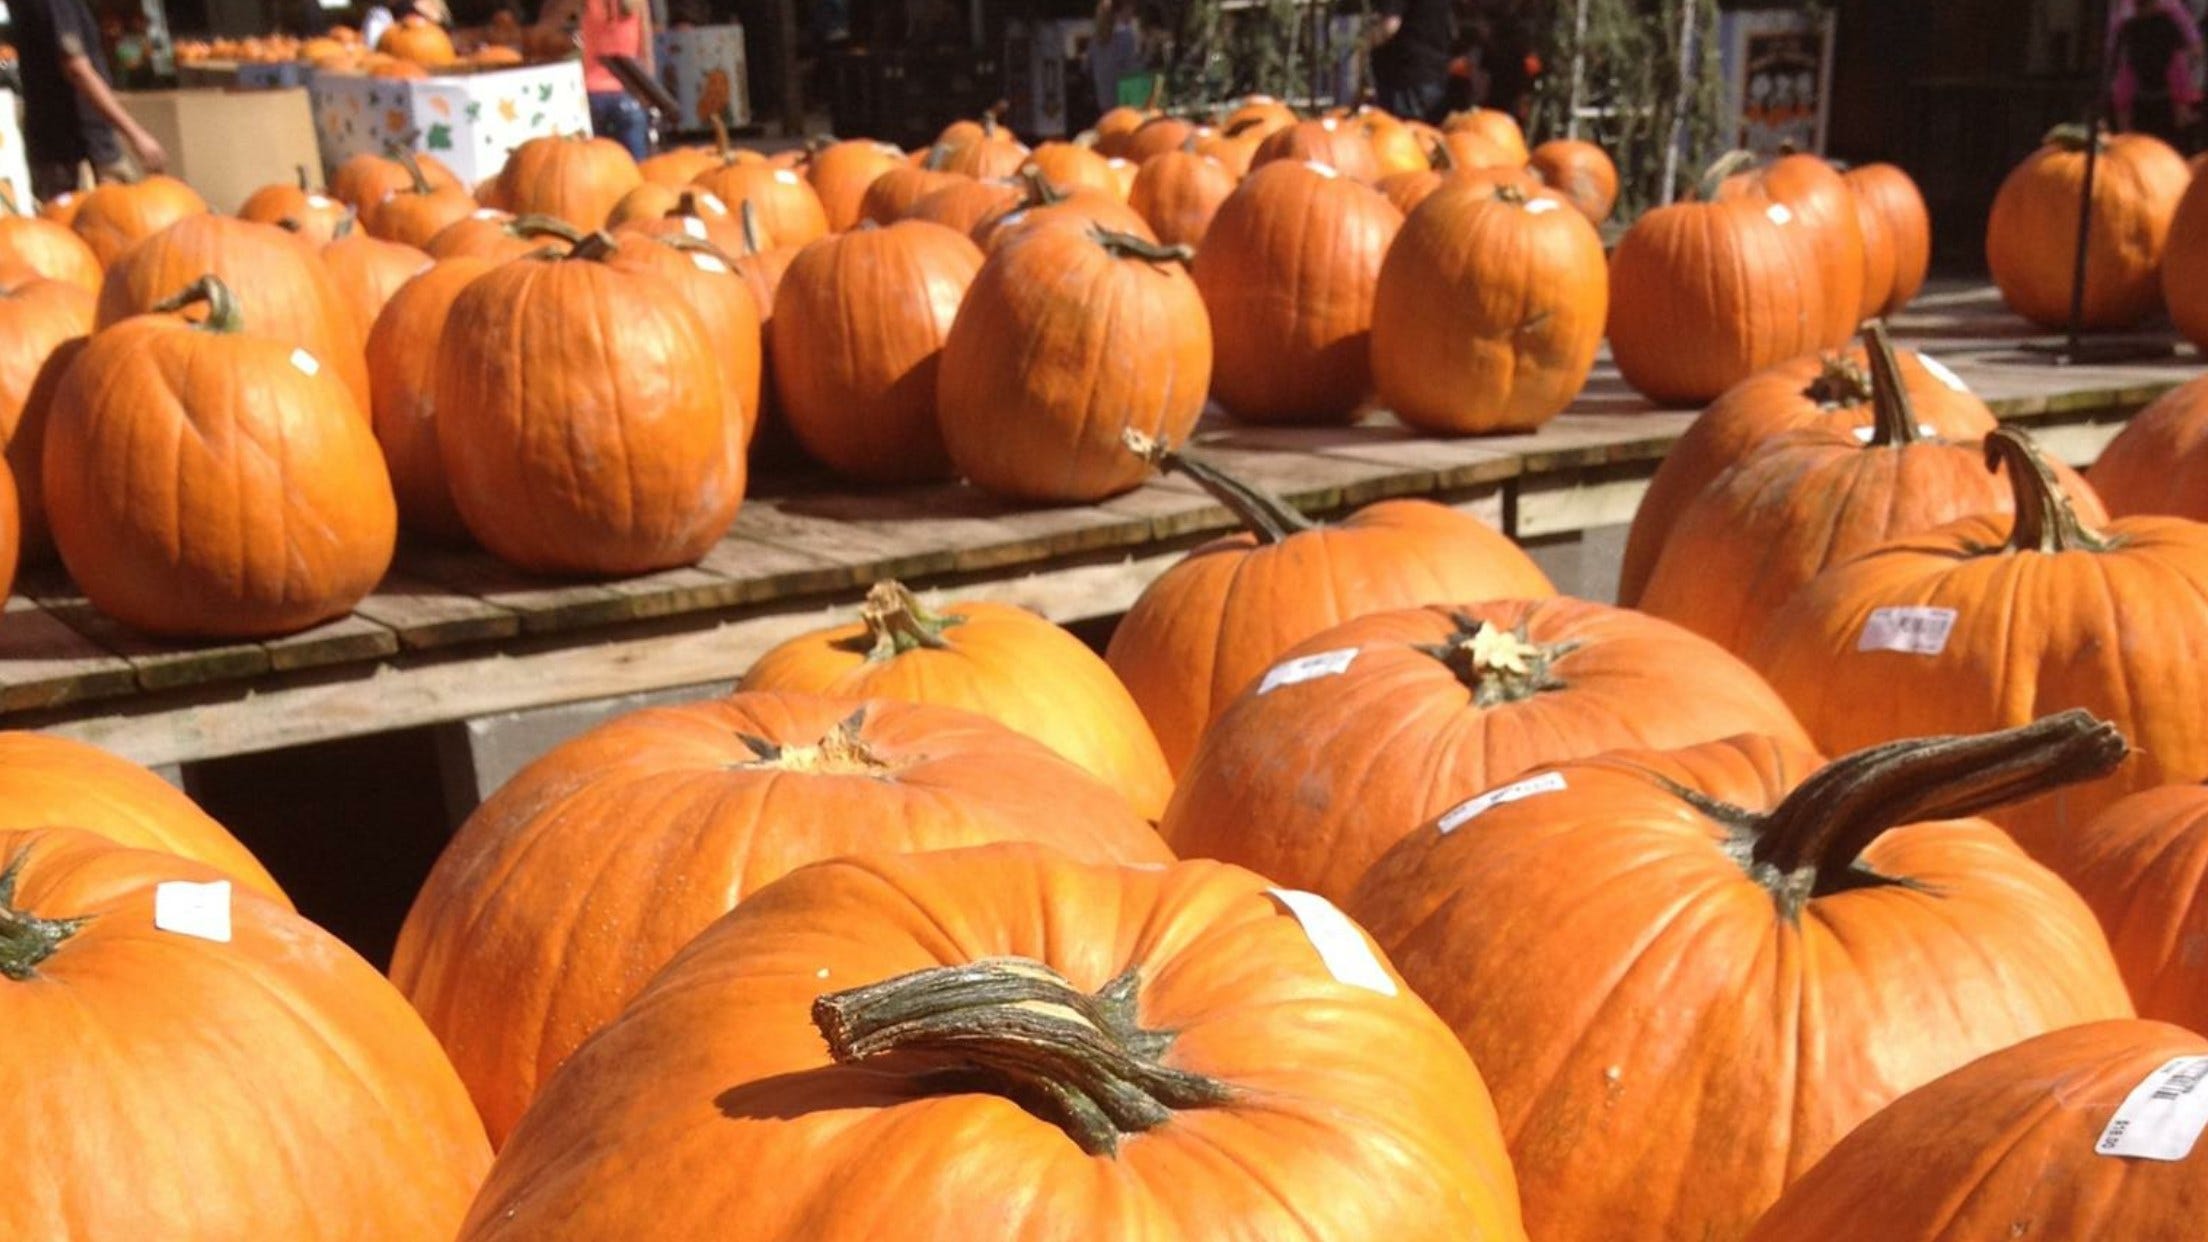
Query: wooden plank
{"x": 349, "y": 639}
{"x": 763, "y": 571}
{"x": 155, "y": 664}
{"x": 426, "y": 616}
{"x": 540, "y": 605}
{"x": 869, "y": 555}
{"x": 44, "y": 663}
{"x": 1171, "y": 508}
{"x": 980, "y": 531}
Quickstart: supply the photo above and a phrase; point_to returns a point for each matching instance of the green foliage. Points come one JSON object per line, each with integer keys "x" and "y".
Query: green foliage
{"x": 1219, "y": 51}
{"x": 1632, "y": 79}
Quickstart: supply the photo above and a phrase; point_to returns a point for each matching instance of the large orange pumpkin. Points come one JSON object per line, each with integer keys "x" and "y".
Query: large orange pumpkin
{"x": 1391, "y": 718}
{"x": 112, "y": 218}
{"x": 1488, "y": 311}
{"x": 11, "y": 540}
{"x": 788, "y": 209}
{"x": 1494, "y": 126}
{"x": 285, "y": 293}
{"x": 1157, "y": 136}
{"x": 1073, "y": 166}
{"x": 963, "y": 204}
{"x": 402, "y": 361}
{"x": 2139, "y": 865}
{"x": 1824, "y": 213}
{"x": 842, "y": 172}
{"x": 1038, "y": 389}
{"x": 205, "y": 481}
{"x": 365, "y": 180}
{"x": 762, "y": 266}
{"x": 1897, "y": 236}
{"x": 693, "y": 214}
{"x": 1629, "y": 959}
{"x": 1204, "y": 629}
{"x": 37, "y": 319}
{"x": 2159, "y": 462}
{"x": 293, "y": 1086}
{"x": 860, "y": 322}
{"x": 2032, "y": 237}
{"x": 418, "y": 212}
{"x": 1705, "y": 294}
{"x": 1581, "y": 173}
{"x": 575, "y": 178}
{"x": 367, "y": 271}
{"x": 1288, "y": 271}
{"x": 2010, "y": 1146}
{"x": 572, "y": 451}
{"x": 1991, "y": 621}
{"x": 47, "y": 781}
{"x": 52, "y": 250}
{"x": 667, "y": 818}
{"x": 705, "y": 278}
{"x": 996, "y": 660}
{"x": 1339, "y": 145}
{"x": 1830, "y": 392}
{"x": 1178, "y": 193}
{"x": 1095, "y": 1052}
{"x": 2185, "y": 265}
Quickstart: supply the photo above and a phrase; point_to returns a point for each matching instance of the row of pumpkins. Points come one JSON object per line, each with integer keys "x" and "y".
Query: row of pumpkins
{"x": 409, "y": 48}
{"x": 1362, "y": 888}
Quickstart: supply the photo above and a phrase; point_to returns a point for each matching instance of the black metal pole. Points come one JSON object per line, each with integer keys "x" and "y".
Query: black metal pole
{"x": 2094, "y": 115}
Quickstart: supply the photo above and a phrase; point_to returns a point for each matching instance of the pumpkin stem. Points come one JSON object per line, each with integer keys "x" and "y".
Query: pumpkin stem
{"x": 597, "y": 246}
{"x": 2070, "y": 136}
{"x": 1129, "y": 246}
{"x": 1441, "y": 158}
{"x": 938, "y": 155}
{"x": 1893, "y": 411}
{"x": 897, "y": 622}
{"x": 292, "y": 225}
{"x": 720, "y": 137}
{"x": 2046, "y": 521}
{"x": 1841, "y": 384}
{"x": 1038, "y": 191}
{"x": 1515, "y": 195}
{"x": 1725, "y": 166}
{"x": 1081, "y": 1059}
{"x": 1498, "y": 665}
{"x": 222, "y": 305}
{"x": 26, "y": 939}
{"x": 747, "y": 218}
{"x": 840, "y": 752}
{"x": 1808, "y": 845}
{"x": 1243, "y": 126}
{"x": 301, "y": 169}
{"x": 1267, "y": 516}
{"x": 544, "y": 226}
{"x": 414, "y": 170}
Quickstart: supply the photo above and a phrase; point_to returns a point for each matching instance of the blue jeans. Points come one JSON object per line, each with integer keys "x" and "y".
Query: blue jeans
{"x": 617, "y": 115}
{"x": 1409, "y": 101}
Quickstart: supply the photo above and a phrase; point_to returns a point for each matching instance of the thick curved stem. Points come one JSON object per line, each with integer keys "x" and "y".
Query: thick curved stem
{"x": 720, "y": 137}
{"x": 1813, "y": 837}
{"x": 2046, "y": 521}
{"x": 897, "y": 622}
{"x": 414, "y": 172}
{"x": 1036, "y": 189}
{"x": 304, "y": 187}
{"x": 1266, "y": 516}
{"x": 534, "y": 226}
{"x": 938, "y": 155}
{"x": 1713, "y": 180}
{"x": 1026, "y": 1029}
{"x": 1893, "y": 411}
{"x": 221, "y": 304}
{"x": 27, "y": 940}
{"x": 1129, "y": 246}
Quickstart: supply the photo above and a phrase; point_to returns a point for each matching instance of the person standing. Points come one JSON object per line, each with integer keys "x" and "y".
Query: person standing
{"x": 1115, "y": 51}
{"x": 1411, "y": 48}
{"x": 611, "y": 28}
{"x": 71, "y": 116}
{"x": 2154, "y": 44}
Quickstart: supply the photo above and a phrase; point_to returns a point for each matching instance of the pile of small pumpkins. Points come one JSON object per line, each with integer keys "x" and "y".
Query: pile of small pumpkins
{"x": 411, "y": 48}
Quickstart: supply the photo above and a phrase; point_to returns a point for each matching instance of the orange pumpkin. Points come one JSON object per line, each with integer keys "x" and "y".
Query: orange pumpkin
{"x": 413, "y": 215}
{"x": 402, "y": 361}
{"x": 1407, "y": 190}
{"x": 11, "y": 544}
{"x": 1288, "y": 272}
{"x": 367, "y": 272}
{"x": 1339, "y": 145}
{"x": 890, "y": 196}
{"x": 1074, "y": 166}
{"x": 860, "y": 322}
{"x": 789, "y": 210}
{"x": 648, "y": 200}
{"x": 417, "y": 40}
{"x": 1488, "y": 311}
{"x": 1116, "y": 126}
{"x": 1582, "y": 174}
{"x": 62, "y": 208}
{"x": 575, "y": 178}
{"x": 315, "y": 217}
{"x": 1897, "y": 236}
{"x": 842, "y": 172}
{"x": 705, "y": 278}
{"x": 1155, "y": 137}
{"x": 1432, "y": 705}
{"x": 49, "y": 249}
{"x": 112, "y": 218}
{"x": 1824, "y": 214}
{"x": 962, "y": 205}
{"x": 693, "y": 214}
{"x": 365, "y": 180}
{"x": 1046, "y": 205}
{"x": 1812, "y": 953}
{"x": 1206, "y": 628}
{"x": 677, "y": 815}
{"x": 993, "y": 153}
{"x": 202, "y": 481}
{"x": 1036, "y": 394}
{"x": 2139, "y": 865}
{"x": 495, "y": 235}
{"x": 1395, "y": 146}
{"x": 2010, "y": 1144}
{"x": 1259, "y": 116}
{"x": 2156, "y": 463}
{"x": 37, "y": 320}
{"x": 1178, "y": 193}
{"x": 600, "y": 452}
{"x": 2032, "y": 237}
{"x": 1494, "y": 126}
{"x": 679, "y": 166}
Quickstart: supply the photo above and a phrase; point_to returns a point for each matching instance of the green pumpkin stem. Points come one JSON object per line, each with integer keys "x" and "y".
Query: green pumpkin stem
{"x": 897, "y": 622}
{"x": 1265, "y": 515}
{"x": 413, "y": 168}
{"x": 1129, "y": 246}
{"x": 1841, "y": 383}
{"x": 1893, "y": 410}
{"x": 1726, "y": 165}
{"x": 1025, "y": 1029}
{"x": 1809, "y": 845}
{"x": 2070, "y": 136}
{"x": 2046, "y": 520}
{"x": 208, "y": 290}
{"x": 938, "y": 155}
{"x": 1036, "y": 189}
{"x": 26, "y": 940}
{"x": 1500, "y": 666}
{"x": 596, "y": 247}
{"x": 534, "y": 226}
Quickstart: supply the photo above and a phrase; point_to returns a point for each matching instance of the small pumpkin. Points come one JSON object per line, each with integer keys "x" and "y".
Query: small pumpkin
{"x": 52, "y": 250}
{"x": 1897, "y": 236}
{"x": 1493, "y": 125}
{"x": 205, "y": 482}
{"x": 315, "y": 217}
{"x": 1432, "y": 705}
{"x": 1074, "y": 166}
{"x": 1043, "y": 204}
{"x": 679, "y": 166}
{"x": 963, "y": 204}
{"x": 1114, "y": 128}
{"x": 402, "y": 359}
{"x": 989, "y": 155}
{"x": 575, "y": 178}
{"x": 38, "y": 320}
{"x": 116, "y": 216}
{"x": 1178, "y": 193}
{"x": 841, "y": 174}
{"x": 1258, "y": 116}
{"x": 788, "y": 209}
{"x": 891, "y": 196}
{"x": 1207, "y": 627}
{"x": 705, "y": 278}
{"x": 678, "y": 814}
{"x": 497, "y": 236}
{"x": 2156, "y": 463}
{"x": 1337, "y": 144}
{"x": 413, "y": 215}
{"x": 367, "y": 271}
{"x": 365, "y": 180}
{"x": 1581, "y": 173}
{"x": 1036, "y": 393}
{"x": 1409, "y": 189}
{"x": 419, "y": 40}
{"x": 2032, "y": 236}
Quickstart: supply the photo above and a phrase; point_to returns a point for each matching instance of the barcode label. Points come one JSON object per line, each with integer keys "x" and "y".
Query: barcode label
{"x": 2163, "y": 1116}
{"x": 319, "y": 203}
{"x": 1779, "y": 214}
{"x": 306, "y": 362}
{"x": 1324, "y": 170}
{"x": 1472, "y": 808}
{"x": 785, "y": 176}
{"x": 201, "y": 911}
{"x": 1342, "y": 947}
{"x": 1307, "y": 668}
{"x": 1911, "y": 631}
{"x": 1940, "y": 372}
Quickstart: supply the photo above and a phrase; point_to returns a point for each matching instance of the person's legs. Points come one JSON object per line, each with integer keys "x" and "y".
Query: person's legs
{"x": 50, "y": 181}
{"x": 613, "y": 114}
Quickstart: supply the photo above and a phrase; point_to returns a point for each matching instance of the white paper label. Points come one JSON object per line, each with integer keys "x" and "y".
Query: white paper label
{"x": 785, "y": 176}
{"x": 1542, "y": 206}
{"x": 708, "y": 263}
{"x": 709, "y": 203}
{"x": 693, "y": 228}
{"x": 1779, "y": 214}
{"x": 2163, "y": 1116}
{"x": 1341, "y": 945}
{"x": 1928, "y": 431}
{"x": 187, "y": 909}
{"x": 305, "y": 362}
{"x": 1941, "y": 373}
{"x": 1912, "y": 631}
{"x": 1307, "y": 668}
{"x": 320, "y": 203}
{"x": 1324, "y": 170}
{"x": 1472, "y": 808}
{"x": 487, "y": 213}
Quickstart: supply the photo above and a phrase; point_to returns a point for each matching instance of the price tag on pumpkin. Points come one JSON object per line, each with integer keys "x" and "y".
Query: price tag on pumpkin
{"x": 1341, "y": 944}
{"x": 1779, "y": 213}
{"x": 693, "y": 228}
{"x": 1542, "y": 206}
{"x": 1940, "y": 372}
{"x": 1911, "y": 631}
{"x": 198, "y": 910}
{"x": 1472, "y": 808}
{"x": 1928, "y": 431}
{"x": 1307, "y": 668}
{"x": 707, "y": 263}
{"x": 307, "y": 363}
{"x": 2163, "y": 1116}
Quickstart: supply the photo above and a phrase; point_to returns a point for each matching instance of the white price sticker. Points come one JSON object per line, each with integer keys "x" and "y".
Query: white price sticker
{"x": 1342, "y": 947}
{"x": 709, "y": 203}
{"x": 1911, "y": 631}
{"x": 1939, "y": 371}
{"x": 198, "y": 910}
{"x": 306, "y": 362}
{"x": 1307, "y": 668}
{"x": 708, "y": 263}
{"x": 1542, "y": 206}
{"x": 1928, "y": 431}
{"x": 693, "y": 228}
{"x": 785, "y": 176}
{"x": 2163, "y": 1116}
{"x": 1472, "y": 808}
{"x": 487, "y": 213}
{"x": 1325, "y": 170}
{"x": 319, "y": 203}
{"x": 1779, "y": 214}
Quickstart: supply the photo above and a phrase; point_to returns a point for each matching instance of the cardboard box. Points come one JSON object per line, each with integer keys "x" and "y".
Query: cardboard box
{"x": 228, "y": 144}
{"x": 468, "y": 120}
{"x": 15, "y": 169}
{"x": 703, "y": 68}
